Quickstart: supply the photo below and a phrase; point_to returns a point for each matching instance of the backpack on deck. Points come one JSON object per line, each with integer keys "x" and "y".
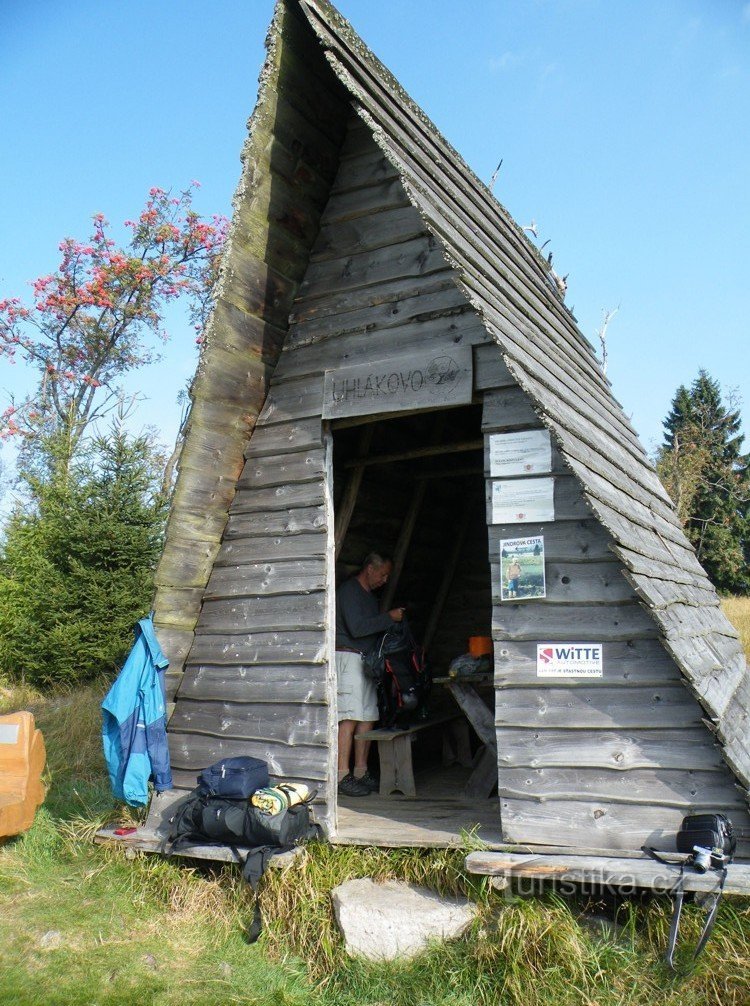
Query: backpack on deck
{"x": 397, "y": 664}
{"x": 201, "y": 818}
{"x": 234, "y": 778}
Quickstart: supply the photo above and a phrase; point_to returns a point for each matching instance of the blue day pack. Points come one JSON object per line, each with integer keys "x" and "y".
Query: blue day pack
{"x": 234, "y": 778}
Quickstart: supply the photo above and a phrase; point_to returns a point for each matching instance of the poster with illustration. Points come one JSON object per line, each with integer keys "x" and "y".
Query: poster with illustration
{"x": 522, "y": 568}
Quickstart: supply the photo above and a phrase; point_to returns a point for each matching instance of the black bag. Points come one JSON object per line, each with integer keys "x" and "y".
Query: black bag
{"x": 709, "y": 841}
{"x": 234, "y": 778}
{"x": 231, "y": 822}
{"x": 713, "y": 832}
{"x": 202, "y": 819}
{"x": 397, "y": 664}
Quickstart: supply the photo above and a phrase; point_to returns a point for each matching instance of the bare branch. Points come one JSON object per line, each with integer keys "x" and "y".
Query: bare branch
{"x": 607, "y": 316}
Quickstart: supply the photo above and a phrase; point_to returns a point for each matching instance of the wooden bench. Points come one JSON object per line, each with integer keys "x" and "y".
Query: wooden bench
{"x": 394, "y": 751}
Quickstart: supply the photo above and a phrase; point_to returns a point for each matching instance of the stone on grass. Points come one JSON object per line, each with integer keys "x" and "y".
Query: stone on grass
{"x": 51, "y": 940}
{"x": 283, "y": 860}
{"x": 394, "y": 919}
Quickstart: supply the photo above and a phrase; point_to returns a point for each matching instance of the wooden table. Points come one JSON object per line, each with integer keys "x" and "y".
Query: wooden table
{"x": 483, "y": 779}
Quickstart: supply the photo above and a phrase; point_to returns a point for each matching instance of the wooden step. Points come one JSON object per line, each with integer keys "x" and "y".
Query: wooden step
{"x": 607, "y": 871}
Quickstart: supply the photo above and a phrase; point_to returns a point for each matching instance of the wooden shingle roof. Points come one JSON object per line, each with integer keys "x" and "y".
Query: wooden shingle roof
{"x": 510, "y": 285}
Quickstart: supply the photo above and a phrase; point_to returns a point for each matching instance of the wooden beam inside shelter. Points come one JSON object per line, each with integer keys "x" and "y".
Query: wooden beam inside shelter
{"x": 448, "y": 473}
{"x": 346, "y": 507}
{"x": 448, "y": 574}
{"x": 419, "y": 452}
{"x": 402, "y": 545}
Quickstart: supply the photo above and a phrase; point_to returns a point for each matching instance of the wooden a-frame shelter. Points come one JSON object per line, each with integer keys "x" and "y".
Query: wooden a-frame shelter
{"x": 383, "y": 332}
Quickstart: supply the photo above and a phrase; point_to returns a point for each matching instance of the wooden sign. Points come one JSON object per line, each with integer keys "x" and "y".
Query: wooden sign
{"x": 424, "y": 381}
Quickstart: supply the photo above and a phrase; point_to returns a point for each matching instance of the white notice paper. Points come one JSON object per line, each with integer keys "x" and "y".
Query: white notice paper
{"x": 523, "y": 501}
{"x": 525, "y": 453}
{"x": 569, "y": 660}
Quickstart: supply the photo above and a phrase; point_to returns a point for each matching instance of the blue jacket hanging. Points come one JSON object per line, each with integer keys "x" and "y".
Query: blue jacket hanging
{"x": 134, "y": 728}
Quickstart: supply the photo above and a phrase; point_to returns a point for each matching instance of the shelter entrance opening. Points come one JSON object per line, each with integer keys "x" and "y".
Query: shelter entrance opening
{"x": 412, "y": 488}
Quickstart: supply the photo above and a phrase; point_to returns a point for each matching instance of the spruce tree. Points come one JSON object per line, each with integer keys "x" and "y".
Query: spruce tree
{"x": 77, "y": 562}
{"x": 703, "y": 467}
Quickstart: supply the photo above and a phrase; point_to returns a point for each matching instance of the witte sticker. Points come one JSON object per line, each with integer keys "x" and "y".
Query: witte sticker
{"x": 569, "y": 660}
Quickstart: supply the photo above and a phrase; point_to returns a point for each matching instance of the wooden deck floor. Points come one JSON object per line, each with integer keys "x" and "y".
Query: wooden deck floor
{"x": 437, "y": 817}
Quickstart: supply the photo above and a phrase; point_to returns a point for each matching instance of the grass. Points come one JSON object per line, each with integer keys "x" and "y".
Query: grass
{"x": 537, "y": 951}
{"x": 737, "y": 610}
{"x": 85, "y": 924}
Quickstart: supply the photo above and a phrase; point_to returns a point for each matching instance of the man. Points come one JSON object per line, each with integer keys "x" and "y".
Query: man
{"x": 514, "y": 577}
{"x": 358, "y": 625}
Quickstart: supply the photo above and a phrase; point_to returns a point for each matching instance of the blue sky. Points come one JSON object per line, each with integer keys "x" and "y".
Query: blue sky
{"x": 623, "y": 130}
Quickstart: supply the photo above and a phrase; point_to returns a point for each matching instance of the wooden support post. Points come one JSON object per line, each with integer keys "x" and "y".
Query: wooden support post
{"x": 402, "y": 545}
{"x": 483, "y": 779}
{"x": 477, "y": 712}
{"x": 346, "y": 507}
{"x": 448, "y": 574}
{"x": 407, "y": 528}
{"x": 396, "y": 772}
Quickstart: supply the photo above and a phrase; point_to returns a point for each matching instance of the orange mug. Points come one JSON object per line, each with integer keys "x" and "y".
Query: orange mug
{"x": 480, "y": 646}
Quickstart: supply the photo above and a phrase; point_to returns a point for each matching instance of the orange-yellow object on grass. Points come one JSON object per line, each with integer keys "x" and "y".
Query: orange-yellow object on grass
{"x": 22, "y": 758}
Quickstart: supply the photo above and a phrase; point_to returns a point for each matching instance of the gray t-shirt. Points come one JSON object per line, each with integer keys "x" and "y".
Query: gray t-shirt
{"x": 358, "y": 619}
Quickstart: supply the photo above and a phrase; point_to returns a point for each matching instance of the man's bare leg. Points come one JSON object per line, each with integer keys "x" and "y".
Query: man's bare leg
{"x": 361, "y": 749}
{"x": 346, "y": 736}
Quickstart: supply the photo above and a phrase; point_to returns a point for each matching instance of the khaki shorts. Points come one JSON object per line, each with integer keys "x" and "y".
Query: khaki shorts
{"x": 357, "y": 695}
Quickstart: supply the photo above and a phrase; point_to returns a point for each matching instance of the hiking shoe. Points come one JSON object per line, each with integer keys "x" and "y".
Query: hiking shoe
{"x": 368, "y": 779}
{"x": 349, "y": 786}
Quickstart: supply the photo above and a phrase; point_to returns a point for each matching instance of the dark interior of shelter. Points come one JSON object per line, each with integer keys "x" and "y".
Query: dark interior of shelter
{"x": 412, "y": 488}
{"x": 434, "y": 498}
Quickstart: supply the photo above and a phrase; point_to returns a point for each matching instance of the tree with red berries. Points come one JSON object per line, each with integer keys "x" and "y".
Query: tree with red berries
{"x": 98, "y": 315}
{"x": 78, "y": 549}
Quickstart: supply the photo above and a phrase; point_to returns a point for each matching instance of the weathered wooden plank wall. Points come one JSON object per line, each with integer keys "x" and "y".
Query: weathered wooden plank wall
{"x": 613, "y": 762}
{"x": 290, "y": 160}
{"x": 259, "y": 677}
